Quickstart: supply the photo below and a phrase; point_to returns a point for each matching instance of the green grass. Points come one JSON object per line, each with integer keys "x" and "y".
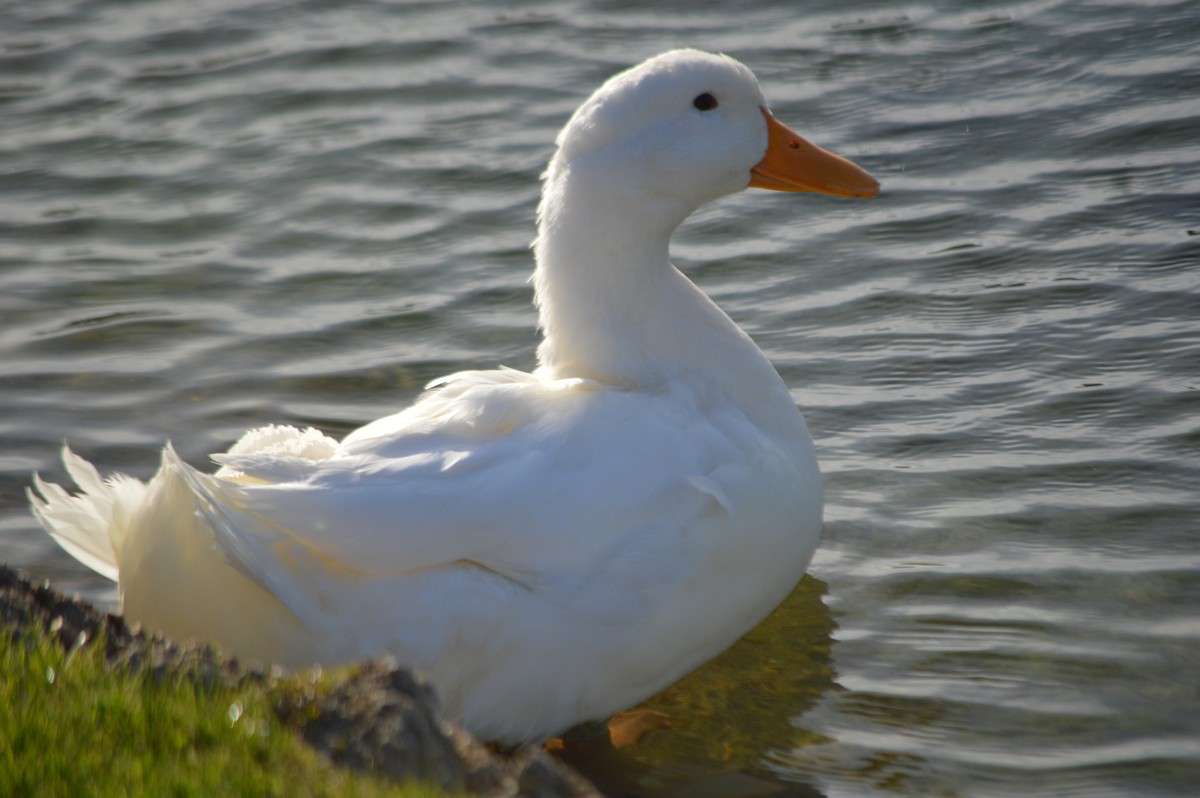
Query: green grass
{"x": 72, "y": 726}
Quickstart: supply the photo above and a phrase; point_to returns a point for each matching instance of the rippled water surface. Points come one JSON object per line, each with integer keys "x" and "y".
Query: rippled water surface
{"x": 218, "y": 215}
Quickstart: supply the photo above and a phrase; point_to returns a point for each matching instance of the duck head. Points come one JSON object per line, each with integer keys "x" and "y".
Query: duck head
{"x": 687, "y": 127}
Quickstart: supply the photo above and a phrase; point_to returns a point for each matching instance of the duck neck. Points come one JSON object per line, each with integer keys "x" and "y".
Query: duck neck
{"x": 613, "y": 308}
{"x": 603, "y": 275}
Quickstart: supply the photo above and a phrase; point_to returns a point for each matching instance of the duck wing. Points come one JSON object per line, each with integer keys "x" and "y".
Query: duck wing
{"x": 529, "y": 479}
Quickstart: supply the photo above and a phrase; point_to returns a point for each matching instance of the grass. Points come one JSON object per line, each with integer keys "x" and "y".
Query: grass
{"x": 73, "y": 726}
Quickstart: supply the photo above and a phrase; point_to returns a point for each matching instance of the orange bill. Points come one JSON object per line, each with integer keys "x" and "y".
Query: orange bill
{"x": 795, "y": 164}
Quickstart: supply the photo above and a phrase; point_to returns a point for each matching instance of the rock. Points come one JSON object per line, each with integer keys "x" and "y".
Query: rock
{"x": 382, "y": 718}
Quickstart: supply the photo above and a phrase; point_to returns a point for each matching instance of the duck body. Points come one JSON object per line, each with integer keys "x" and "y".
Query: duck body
{"x": 547, "y": 547}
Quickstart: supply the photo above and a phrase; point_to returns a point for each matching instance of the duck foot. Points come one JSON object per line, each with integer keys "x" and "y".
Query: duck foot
{"x": 623, "y": 730}
{"x": 600, "y": 751}
{"x": 626, "y": 729}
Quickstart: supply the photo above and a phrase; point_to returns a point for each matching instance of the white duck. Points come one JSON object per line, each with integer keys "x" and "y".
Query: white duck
{"x": 548, "y": 548}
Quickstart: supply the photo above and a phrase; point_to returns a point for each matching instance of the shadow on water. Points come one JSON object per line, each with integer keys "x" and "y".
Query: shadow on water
{"x": 726, "y": 717}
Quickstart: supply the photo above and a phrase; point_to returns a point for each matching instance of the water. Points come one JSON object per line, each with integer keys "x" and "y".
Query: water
{"x": 219, "y": 215}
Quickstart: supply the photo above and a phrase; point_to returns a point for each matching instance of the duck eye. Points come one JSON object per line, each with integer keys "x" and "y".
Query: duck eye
{"x": 705, "y": 102}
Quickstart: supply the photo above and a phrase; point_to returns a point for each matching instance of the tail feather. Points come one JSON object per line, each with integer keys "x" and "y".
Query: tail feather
{"x": 83, "y": 525}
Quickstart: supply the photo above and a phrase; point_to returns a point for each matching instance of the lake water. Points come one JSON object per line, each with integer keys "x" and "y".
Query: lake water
{"x": 222, "y": 214}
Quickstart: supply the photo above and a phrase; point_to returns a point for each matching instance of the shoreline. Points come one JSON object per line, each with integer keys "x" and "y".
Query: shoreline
{"x": 374, "y": 717}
